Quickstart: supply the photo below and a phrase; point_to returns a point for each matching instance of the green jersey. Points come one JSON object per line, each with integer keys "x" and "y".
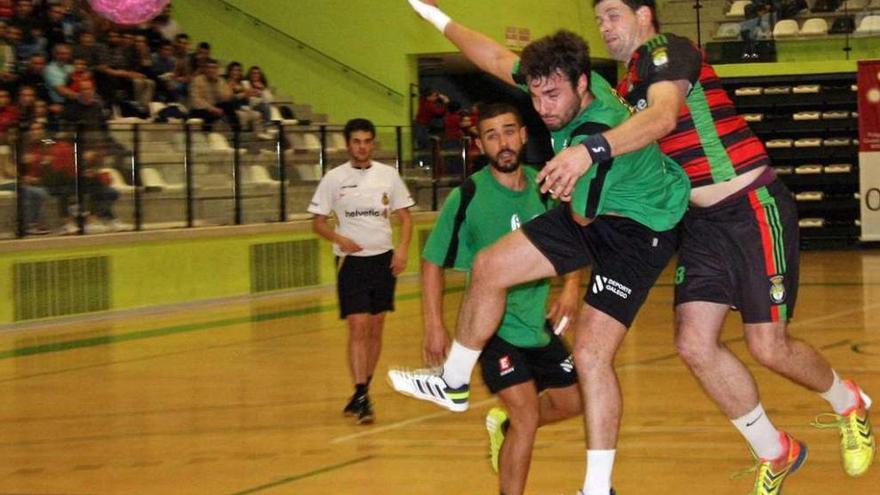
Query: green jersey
{"x": 644, "y": 185}
{"x": 491, "y": 211}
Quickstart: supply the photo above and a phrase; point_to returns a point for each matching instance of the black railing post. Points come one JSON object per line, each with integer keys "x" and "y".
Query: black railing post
{"x": 188, "y": 173}
{"x": 79, "y": 185}
{"x": 282, "y": 173}
{"x": 321, "y": 153}
{"x": 698, "y": 6}
{"x": 236, "y": 172}
{"x": 20, "y": 172}
{"x": 135, "y": 175}
{"x": 399, "y": 134}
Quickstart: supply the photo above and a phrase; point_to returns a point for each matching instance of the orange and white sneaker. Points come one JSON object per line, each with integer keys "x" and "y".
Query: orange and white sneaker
{"x": 770, "y": 474}
{"x": 857, "y": 444}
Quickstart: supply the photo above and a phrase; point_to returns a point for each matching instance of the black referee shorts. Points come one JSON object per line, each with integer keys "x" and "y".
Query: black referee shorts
{"x": 365, "y": 284}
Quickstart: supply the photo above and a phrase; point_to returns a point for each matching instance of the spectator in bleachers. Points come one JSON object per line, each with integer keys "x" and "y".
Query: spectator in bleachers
{"x": 8, "y": 115}
{"x": 34, "y": 196}
{"x": 80, "y": 74}
{"x": 85, "y": 108}
{"x": 154, "y": 35}
{"x": 169, "y": 88}
{"x": 24, "y": 18}
{"x": 7, "y": 10}
{"x": 56, "y": 77}
{"x": 91, "y": 51}
{"x": 169, "y": 28}
{"x": 758, "y": 24}
{"x": 52, "y": 162}
{"x": 211, "y": 98}
{"x": 25, "y": 105}
{"x": 142, "y": 57}
{"x": 429, "y": 116}
{"x": 199, "y": 58}
{"x": 8, "y": 75}
{"x": 182, "y": 72}
{"x": 56, "y": 30}
{"x": 259, "y": 94}
{"x": 26, "y": 46}
{"x": 247, "y": 116}
{"x": 119, "y": 79}
{"x": 33, "y": 76}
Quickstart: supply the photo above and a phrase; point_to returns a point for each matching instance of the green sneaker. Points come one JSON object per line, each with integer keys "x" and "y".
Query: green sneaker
{"x": 496, "y": 426}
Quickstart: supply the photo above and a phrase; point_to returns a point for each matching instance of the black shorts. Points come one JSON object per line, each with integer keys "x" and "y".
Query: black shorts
{"x": 743, "y": 253}
{"x": 627, "y": 257}
{"x": 365, "y": 284}
{"x": 505, "y": 365}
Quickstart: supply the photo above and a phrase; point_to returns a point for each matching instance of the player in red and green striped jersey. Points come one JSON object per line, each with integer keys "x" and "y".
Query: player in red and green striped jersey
{"x": 739, "y": 246}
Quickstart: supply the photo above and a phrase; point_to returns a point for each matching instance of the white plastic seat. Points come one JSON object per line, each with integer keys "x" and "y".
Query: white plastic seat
{"x": 802, "y": 89}
{"x": 777, "y": 90}
{"x": 808, "y": 143}
{"x": 116, "y": 180}
{"x": 152, "y": 179}
{"x": 784, "y": 170}
{"x": 786, "y": 28}
{"x": 753, "y": 117}
{"x": 852, "y": 5}
{"x": 870, "y": 25}
{"x": 807, "y": 115}
{"x": 336, "y": 141}
{"x": 810, "y": 169}
{"x": 811, "y": 223}
{"x": 837, "y": 142}
{"x": 218, "y": 142}
{"x": 814, "y": 27}
{"x": 810, "y": 196}
{"x": 728, "y": 31}
{"x": 738, "y": 8}
{"x": 257, "y": 174}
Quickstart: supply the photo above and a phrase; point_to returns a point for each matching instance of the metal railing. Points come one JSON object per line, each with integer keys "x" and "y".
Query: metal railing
{"x": 135, "y": 177}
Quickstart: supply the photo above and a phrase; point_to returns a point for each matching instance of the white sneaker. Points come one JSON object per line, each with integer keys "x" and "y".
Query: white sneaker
{"x": 428, "y": 385}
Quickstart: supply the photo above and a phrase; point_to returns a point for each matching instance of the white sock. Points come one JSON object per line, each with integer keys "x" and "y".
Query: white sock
{"x": 459, "y": 365}
{"x": 760, "y": 433}
{"x": 839, "y": 395}
{"x": 599, "y": 466}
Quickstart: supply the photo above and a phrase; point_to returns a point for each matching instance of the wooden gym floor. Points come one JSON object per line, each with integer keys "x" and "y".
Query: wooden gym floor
{"x": 246, "y": 397}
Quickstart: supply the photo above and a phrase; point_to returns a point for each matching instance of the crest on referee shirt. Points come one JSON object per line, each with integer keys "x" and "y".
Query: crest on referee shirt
{"x": 385, "y": 199}
{"x": 777, "y": 289}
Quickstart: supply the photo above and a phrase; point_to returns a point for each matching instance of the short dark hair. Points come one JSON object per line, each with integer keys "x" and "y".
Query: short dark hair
{"x": 492, "y": 110}
{"x": 204, "y": 45}
{"x": 354, "y": 125}
{"x": 563, "y": 51}
{"x": 636, "y": 4}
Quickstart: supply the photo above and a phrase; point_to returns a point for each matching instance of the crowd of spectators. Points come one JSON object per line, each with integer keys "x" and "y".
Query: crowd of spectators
{"x": 62, "y": 65}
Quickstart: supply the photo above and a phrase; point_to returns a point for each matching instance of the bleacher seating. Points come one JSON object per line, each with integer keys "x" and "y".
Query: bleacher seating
{"x": 786, "y": 28}
{"x": 814, "y": 27}
{"x": 870, "y": 25}
{"x": 738, "y": 8}
{"x": 728, "y": 31}
{"x": 852, "y": 5}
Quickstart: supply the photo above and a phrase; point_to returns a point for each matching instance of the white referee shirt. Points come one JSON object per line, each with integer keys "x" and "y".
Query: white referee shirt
{"x": 362, "y": 200}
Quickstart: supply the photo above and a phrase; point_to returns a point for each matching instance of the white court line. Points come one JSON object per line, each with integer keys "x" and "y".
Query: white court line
{"x": 407, "y": 422}
{"x": 419, "y": 419}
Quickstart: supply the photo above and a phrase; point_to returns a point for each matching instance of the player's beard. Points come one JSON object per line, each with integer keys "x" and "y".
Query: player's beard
{"x": 508, "y": 167}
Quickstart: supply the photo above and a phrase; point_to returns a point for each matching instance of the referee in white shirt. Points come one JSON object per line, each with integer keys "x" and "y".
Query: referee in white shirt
{"x": 362, "y": 194}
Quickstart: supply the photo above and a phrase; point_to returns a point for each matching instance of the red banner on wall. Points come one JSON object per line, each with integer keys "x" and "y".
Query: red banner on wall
{"x": 869, "y": 105}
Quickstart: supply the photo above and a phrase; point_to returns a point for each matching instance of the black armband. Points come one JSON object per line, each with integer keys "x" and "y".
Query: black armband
{"x": 598, "y": 148}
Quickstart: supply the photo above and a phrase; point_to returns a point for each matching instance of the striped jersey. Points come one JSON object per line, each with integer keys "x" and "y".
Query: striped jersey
{"x": 710, "y": 141}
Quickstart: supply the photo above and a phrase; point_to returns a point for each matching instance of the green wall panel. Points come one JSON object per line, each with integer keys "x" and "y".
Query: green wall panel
{"x": 380, "y": 39}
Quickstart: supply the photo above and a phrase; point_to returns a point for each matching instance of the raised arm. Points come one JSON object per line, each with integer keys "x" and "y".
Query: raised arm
{"x": 489, "y": 55}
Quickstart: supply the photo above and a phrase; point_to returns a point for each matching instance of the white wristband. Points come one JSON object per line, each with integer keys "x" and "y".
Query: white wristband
{"x": 431, "y": 14}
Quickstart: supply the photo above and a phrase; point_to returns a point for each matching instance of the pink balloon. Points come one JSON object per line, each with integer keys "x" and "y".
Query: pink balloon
{"x": 129, "y": 11}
